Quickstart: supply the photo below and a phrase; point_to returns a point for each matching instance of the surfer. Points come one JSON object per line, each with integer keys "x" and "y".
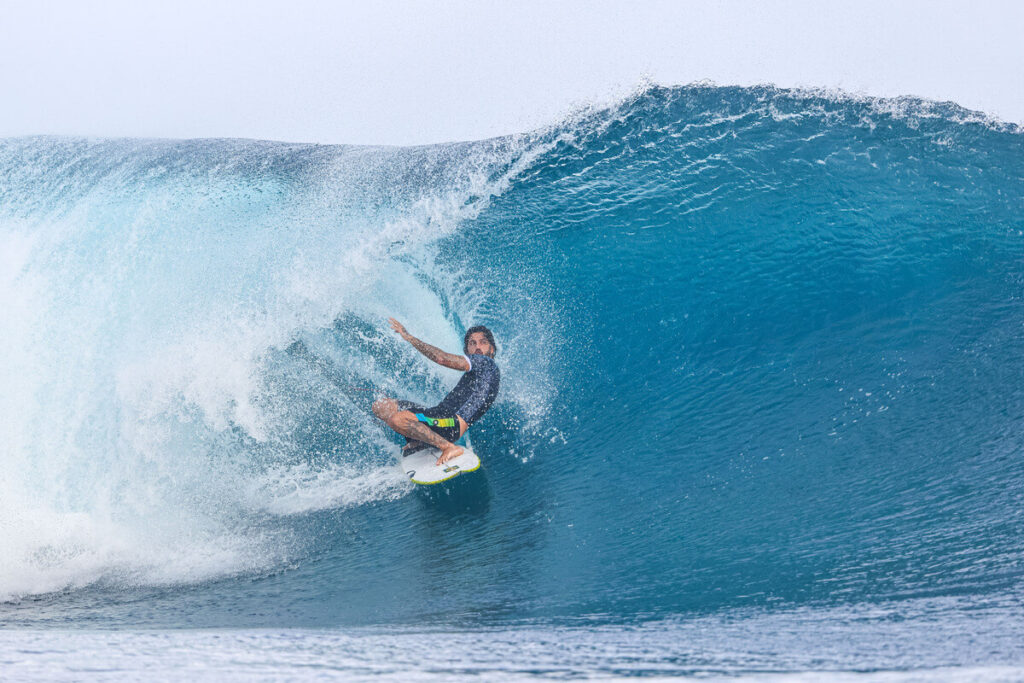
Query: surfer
{"x": 446, "y": 422}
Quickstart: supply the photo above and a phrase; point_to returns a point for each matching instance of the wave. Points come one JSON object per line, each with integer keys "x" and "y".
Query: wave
{"x": 759, "y": 347}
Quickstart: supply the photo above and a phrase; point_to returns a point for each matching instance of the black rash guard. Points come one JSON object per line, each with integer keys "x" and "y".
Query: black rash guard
{"x": 475, "y": 392}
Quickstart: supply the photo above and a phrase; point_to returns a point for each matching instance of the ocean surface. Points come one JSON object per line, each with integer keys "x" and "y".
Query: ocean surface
{"x": 762, "y": 411}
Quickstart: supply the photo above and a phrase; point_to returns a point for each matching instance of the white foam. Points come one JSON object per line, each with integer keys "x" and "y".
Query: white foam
{"x": 142, "y": 437}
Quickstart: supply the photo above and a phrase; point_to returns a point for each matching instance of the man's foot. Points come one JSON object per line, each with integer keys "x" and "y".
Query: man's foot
{"x": 452, "y": 451}
{"x": 415, "y": 447}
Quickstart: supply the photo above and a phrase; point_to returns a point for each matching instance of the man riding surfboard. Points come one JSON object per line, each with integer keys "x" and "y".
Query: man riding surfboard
{"x": 443, "y": 424}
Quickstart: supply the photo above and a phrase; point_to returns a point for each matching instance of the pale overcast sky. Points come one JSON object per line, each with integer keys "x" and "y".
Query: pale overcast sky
{"x": 420, "y": 72}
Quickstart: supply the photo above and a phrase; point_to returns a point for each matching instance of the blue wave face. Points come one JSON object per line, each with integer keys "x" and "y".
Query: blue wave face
{"x": 758, "y": 348}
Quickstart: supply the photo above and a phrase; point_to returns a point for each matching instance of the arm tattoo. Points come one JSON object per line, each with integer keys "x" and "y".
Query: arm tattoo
{"x": 449, "y": 360}
{"x": 432, "y": 352}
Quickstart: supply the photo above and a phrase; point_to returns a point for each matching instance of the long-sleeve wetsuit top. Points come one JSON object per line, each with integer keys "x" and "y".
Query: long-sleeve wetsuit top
{"x": 475, "y": 392}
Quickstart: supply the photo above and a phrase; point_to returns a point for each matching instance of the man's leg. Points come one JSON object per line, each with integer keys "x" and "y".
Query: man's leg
{"x": 384, "y": 409}
{"x": 406, "y": 424}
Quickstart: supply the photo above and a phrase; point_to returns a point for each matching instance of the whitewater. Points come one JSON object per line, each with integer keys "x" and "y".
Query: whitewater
{"x": 762, "y": 357}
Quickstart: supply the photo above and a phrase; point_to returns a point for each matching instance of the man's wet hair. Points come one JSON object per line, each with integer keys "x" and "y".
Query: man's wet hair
{"x": 487, "y": 335}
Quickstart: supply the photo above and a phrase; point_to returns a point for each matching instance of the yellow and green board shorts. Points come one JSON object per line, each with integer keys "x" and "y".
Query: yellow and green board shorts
{"x": 445, "y": 426}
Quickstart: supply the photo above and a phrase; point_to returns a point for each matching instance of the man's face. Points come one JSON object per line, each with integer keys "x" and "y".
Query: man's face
{"x": 478, "y": 344}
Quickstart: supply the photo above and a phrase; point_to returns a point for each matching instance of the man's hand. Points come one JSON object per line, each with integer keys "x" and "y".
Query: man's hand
{"x": 399, "y": 328}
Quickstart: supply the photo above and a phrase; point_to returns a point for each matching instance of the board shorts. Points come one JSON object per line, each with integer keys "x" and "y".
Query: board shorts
{"x": 445, "y": 426}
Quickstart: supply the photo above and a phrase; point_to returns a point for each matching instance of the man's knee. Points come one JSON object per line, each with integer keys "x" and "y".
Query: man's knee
{"x": 384, "y": 408}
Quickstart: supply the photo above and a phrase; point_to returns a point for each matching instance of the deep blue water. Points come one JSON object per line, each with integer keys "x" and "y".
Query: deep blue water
{"x": 762, "y": 350}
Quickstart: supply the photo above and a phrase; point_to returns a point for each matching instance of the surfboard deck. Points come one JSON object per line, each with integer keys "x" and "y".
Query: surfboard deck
{"x": 420, "y": 468}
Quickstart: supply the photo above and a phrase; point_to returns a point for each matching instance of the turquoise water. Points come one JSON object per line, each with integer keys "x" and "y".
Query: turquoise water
{"x": 761, "y": 358}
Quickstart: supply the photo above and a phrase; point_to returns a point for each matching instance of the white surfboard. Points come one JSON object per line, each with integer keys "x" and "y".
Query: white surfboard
{"x": 420, "y": 467}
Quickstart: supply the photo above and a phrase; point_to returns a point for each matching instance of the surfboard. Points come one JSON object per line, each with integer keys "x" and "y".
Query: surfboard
{"x": 420, "y": 466}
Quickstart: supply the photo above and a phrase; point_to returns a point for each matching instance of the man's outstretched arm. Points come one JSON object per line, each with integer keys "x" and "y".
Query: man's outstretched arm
{"x": 449, "y": 360}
